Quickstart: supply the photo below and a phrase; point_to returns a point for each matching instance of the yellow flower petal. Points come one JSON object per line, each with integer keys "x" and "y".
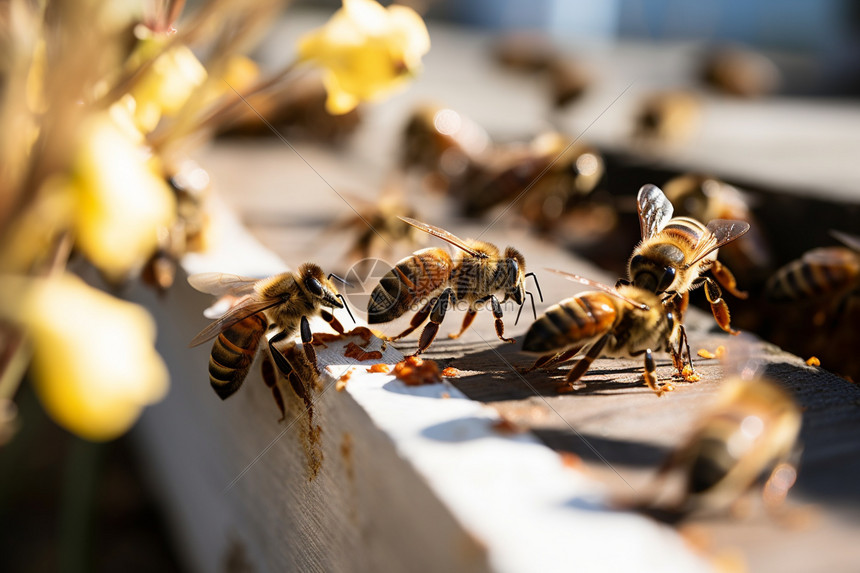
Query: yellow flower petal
{"x": 94, "y": 365}
{"x": 121, "y": 202}
{"x": 367, "y": 51}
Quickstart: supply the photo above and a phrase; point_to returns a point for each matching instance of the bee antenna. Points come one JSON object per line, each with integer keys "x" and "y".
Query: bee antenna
{"x": 339, "y": 278}
{"x": 540, "y": 294}
{"x": 346, "y": 306}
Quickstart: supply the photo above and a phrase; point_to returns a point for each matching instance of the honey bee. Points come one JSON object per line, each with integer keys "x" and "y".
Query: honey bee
{"x": 377, "y": 225}
{"x": 705, "y": 198}
{"x": 674, "y": 254}
{"x": 621, "y": 321}
{"x": 442, "y": 142}
{"x": 474, "y": 276}
{"x": 752, "y": 430}
{"x": 190, "y": 185}
{"x": 544, "y": 178}
{"x": 282, "y": 302}
{"x": 666, "y": 117}
{"x": 822, "y": 272}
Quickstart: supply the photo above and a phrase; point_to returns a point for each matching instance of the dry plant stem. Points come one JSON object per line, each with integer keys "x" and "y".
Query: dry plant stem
{"x": 221, "y": 112}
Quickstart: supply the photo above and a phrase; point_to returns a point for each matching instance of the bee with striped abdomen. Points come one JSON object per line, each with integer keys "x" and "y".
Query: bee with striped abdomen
{"x": 673, "y": 256}
{"x": 474, "y": 276}
{"x": 751, "y": 432}
{"x": 282, "y": 302}
{"x": 826, "y": 271}
{"x": 621, "y": 321}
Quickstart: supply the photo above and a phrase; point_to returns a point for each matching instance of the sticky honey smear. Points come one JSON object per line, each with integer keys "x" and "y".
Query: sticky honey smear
{"x": 310, "y": 435}
{"x": 379, "y": 368}
{"x": 340, "y": 385}
{"x": 414, "y": 371}
{"x": 813, "y": 361}
{"x": 355, "y": 351}
{"x": 689, "y": 374}
{"x": 451, "y": 372}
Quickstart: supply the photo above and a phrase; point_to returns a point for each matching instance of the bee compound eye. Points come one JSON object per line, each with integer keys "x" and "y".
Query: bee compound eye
{"x": 314, "y": 286}
{"x": 666, "y": 280}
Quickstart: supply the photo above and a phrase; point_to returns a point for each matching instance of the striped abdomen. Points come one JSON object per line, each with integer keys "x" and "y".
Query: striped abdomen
{"x": 233, "y": 353}
{"x": 684, "y": 230}
{"x": 818, "y": 272}
{"x": 414, "y": 278}
{"x": 573, "y": 321}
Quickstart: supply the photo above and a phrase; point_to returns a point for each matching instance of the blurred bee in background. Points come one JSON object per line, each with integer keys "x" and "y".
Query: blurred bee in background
{"x": 534, "y": 53}
{"x": 542, "y": 180}
{"x": 706, "y": 198}
{"x": 751, "y": 431}
{"x": 675, "y": 253}
{"x": 666, "y": 117}
{"x": 817, "y": 305}
{"x": 190, "y": 185}
{"x": 298, "y": 106}
{"x": 475, "y": 276}
{"x": 377, "y": 225}
{"x": 740, "y": 72}
{"x": 622, "y": 321}
{"x": 824, "y": 273}
{"x": 279, "y": 303}
{"x": 443, "y": 143}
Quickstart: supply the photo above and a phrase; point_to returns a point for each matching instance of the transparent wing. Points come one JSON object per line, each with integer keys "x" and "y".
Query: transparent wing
{"x": 850, "y": 241}
{"x": 442, "y": 234}
{"x": 220, "y": 284}
{"x": 239, "y": 312}
{"x": 654, "y": 208}
{"x": 721, "y": 232}
{"x": 605, "y": 288}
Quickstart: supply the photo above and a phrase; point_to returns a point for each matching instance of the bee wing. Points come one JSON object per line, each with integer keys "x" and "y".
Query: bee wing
{"x": 721, "y": 232}
{"x": 239, "y": 312}
{"x": 442, "y": 234}
{"x": 850, "y": 241}
{"x": 605, "y": 288}
{"x": 220, "y": 284}
{"x": 654, "y": 208}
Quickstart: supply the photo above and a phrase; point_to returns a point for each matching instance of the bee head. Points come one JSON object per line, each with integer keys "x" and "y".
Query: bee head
{"x": 657, "y": 270}
{"x": 317, "y": 285}
{"x": 515, "y": 266}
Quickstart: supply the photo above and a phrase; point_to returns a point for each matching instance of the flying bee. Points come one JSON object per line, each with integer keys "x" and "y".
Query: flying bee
{"x": 705, "y": 198}
{"x": 675, "y": 253}
{"x": 475, "y": 276}
{"x": 554, "y": 169}
{"x": 751, "y": 431}
{"x": 625, "y": 320}
{"x": 283, "y": 303}
{"x": 822, "y": 272}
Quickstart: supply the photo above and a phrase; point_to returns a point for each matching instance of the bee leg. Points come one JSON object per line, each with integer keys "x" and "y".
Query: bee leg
{"x": 332, "y": 321}
{"x": 551, "y": 360}
{"x": 440, "y": 307}
{"x": 416, "y": 321}
{"x": 651, "y": 378}
{"x": 679, "y": 360}
{"x": 307, "y": 344}
{"x": 500, "y": 326}
{"x": 584, "y": 363}
{"x": 288, "y": 370}
{"x": 718, "y": 306}
{"x": 467, "y": 322}
{"x": 267, "y": 370}
{"x": 725, "y": 277}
